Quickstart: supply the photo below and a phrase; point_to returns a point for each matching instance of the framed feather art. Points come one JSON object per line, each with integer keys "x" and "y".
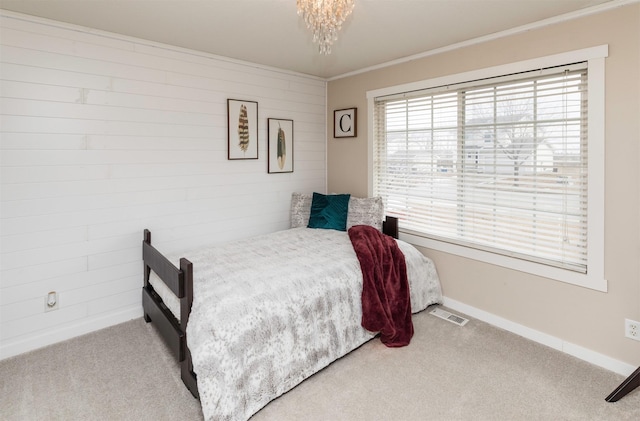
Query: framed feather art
{"x": 280, "y": 148}
{"x": 242, "y": 129}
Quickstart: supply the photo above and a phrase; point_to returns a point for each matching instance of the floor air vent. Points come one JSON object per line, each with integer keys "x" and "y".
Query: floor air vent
{"x": 450, "y": 317}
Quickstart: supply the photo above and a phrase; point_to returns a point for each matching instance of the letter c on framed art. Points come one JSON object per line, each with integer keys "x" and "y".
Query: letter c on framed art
{"x": 345, "y": 123}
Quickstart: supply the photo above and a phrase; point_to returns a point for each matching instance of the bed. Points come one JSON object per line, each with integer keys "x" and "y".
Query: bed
{"x": 263, "y": 314}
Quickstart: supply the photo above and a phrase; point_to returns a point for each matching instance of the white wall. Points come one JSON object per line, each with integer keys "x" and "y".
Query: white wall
{"x": 103, "y": 136}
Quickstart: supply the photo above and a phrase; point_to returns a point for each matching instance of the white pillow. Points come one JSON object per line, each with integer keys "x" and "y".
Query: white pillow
{"x": 300, "y": 209}
{"x": 366, "y": 211}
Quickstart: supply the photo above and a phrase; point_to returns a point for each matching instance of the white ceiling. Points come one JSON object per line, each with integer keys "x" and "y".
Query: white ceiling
{"x": 270, "y": 33}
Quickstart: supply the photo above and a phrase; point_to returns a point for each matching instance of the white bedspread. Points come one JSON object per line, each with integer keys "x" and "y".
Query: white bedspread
{"x": 270, "y": 311}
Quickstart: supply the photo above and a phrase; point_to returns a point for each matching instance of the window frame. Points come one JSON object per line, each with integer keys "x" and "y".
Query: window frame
{"x": 595, "y": 57}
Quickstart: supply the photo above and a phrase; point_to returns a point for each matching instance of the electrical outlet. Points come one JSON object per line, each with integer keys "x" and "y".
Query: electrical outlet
{"x": 632, "y": 329}
{"x": 51, "y": 301}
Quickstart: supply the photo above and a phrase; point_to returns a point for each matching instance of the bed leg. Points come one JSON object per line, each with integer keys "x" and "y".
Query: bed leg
{"x": 147, "y": 318}
{"x": 625, "y": 387}
{"x": 188, "y": 376}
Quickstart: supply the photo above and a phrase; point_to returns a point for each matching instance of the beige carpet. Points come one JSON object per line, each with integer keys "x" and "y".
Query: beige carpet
{"x": 475, "y": 372}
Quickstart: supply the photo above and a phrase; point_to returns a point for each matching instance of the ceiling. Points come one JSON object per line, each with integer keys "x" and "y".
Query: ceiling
{"x": 270, "y": 33}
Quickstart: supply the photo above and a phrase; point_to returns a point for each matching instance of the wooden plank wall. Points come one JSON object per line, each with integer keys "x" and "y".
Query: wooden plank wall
{"x": 104, "y": 135}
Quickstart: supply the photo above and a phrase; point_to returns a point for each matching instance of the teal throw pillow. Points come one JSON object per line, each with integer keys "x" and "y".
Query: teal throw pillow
{"x": 329, "y": 211}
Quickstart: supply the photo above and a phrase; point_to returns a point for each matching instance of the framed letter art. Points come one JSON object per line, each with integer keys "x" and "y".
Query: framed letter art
{"x": 280, "y": 145}
{"x": 345, "y": 122}
{"x": 242, "y": 129}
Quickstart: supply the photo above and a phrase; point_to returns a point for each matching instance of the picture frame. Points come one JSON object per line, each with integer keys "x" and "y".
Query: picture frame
{"x": 280, "y": 145}
{"x": 242, "y": 129}
{"x": 345, "y": 123}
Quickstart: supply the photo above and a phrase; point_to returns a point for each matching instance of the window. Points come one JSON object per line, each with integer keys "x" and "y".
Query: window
{"x": 498, "y": 167}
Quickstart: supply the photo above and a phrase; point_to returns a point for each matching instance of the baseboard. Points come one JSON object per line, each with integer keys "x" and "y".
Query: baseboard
{"x": 13, "y": 348}
{"x": 577, "y": 351}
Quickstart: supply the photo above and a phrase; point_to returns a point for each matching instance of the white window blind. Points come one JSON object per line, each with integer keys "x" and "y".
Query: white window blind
{"x": 498, "y": 164}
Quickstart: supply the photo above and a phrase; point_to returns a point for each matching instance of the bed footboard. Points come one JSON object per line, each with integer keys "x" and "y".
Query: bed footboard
{"x": 180, "y": 281}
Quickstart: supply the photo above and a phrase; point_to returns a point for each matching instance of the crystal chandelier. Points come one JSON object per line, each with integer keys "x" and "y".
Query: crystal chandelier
{"x": 324, "y": 18}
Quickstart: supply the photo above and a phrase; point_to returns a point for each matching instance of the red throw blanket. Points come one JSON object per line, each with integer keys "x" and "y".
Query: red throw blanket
{"x": 386, "y": 303}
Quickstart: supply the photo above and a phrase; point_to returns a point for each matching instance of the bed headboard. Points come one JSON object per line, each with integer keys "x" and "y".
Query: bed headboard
{"x": 390, "y": 226}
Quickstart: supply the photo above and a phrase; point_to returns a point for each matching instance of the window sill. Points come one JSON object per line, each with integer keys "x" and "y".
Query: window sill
{"x": 588, "y": 280}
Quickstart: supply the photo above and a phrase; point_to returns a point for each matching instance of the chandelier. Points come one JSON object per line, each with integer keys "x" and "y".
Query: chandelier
{"x": 324, "y": 18}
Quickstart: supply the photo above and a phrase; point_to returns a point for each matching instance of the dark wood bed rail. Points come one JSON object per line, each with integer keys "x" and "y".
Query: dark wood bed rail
{"x": 171, "y": 275}
{"x": 180, "y": 281}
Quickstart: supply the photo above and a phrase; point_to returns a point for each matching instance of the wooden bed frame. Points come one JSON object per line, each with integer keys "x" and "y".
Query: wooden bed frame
{"x": 629, "y": 384}
{"x": 180, "y": 281}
